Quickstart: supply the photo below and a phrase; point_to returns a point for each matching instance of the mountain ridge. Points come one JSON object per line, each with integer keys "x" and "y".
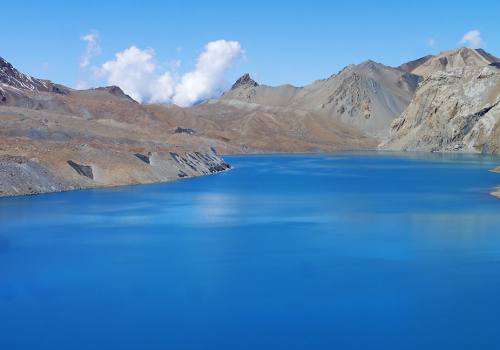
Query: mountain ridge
{"x": 101, "y": 137}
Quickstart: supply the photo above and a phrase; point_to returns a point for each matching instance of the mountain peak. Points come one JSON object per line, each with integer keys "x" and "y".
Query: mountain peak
{"x": 370, "y": 64}
{"x": 244, "y": 80}
{"x": 448, "y": 60}
{"x": 10, "y": 76}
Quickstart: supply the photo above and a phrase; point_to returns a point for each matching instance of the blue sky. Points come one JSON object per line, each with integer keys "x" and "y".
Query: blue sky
{"x": 283, "y": 42}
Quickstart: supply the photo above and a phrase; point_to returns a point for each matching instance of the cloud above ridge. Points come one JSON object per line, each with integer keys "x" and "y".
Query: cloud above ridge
{"x": 472, "y": 39}
{"x": 138, "y": 73}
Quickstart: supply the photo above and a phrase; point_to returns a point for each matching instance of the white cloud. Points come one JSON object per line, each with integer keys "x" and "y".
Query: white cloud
{"x": 207, "y": 79}
{"x": 134, "y": 70}
{"x": 92, "y": 49}
{"x": 472, "y": 39}
{"x": 137, "y": 72}
{"x": 431, "y": 42}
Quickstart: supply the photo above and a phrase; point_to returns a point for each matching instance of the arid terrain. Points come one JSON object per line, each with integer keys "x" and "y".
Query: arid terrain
{"x": 54, "y": 138}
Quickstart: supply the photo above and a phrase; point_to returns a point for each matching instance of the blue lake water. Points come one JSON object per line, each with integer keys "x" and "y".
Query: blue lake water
{"x": 341, "y": 251}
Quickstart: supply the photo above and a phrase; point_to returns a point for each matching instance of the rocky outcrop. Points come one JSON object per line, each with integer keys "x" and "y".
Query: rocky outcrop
{"x": 244, "y": 80}
{"x": 21, "y": 176}
{"x": 458, "y": 110}
{"x": 144, "y": 158}
{"x": 84, "y": 170}
{"x": 180, "y": 130}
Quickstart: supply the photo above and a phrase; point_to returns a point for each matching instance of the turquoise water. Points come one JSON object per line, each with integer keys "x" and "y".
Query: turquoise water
{"x": 342, "y": 251}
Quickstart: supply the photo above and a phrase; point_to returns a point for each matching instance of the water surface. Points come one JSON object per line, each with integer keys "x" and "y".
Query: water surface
{"x": 341, "y": 251}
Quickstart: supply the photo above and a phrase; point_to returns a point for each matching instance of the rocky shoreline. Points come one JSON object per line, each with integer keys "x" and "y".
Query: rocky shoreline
{"x": 30, "y": 176}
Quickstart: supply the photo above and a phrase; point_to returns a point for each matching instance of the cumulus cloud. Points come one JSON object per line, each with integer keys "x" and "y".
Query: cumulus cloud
{"x": 138, "y": 73}
{"x": 92, "y": 49}
{"x": 208, "y": 77}
{"x": 135, "y": 71}
{"x": 472, "y": 39}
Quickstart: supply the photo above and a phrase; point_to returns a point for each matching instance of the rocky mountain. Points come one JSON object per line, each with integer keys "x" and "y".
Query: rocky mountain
{"x": 11, "y": 77}
{"x": 245, "y": 80}
{"x": 449, "y": 60}
{"x": 367, "y": 96}
{"x": 452, "y": 110}
{"x": 56, "y": 140}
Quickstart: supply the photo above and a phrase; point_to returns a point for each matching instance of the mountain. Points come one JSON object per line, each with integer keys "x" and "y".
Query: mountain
{"x": 367, "y": 96}
{"x": 56, "y": 138}
{"x": 245, "y": 89}
{"x": 449, "y": 60}
{"x": 452, "y": 110}
{"x": 456, "y": 106}
{"x": 244, "y": 80}
{"x": 53, "y": 138}
{"x": 10, "y": 76}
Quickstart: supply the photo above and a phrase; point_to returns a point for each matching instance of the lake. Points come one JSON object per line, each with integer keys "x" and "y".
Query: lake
{"x": 334, "y": 251}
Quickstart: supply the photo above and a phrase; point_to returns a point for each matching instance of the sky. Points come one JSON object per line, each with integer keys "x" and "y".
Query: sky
{"x": 164, "y": 51}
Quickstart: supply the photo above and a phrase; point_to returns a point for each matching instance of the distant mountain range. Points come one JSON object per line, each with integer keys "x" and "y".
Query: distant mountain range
{"x": 447, "y": 102}
{"x": 368, "y": 96}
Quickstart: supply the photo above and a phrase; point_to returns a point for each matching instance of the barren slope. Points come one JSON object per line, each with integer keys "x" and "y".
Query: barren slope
{"x": 368, "y": 96}
{"x": 456, "y": 110}
{"x": 67, "y": 139}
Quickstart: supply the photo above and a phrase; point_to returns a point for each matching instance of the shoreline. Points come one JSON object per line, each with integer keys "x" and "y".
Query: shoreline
{"x": 103, "y": 187}
{"x": 22, "y": 176}
{"x": 221, "y": 167}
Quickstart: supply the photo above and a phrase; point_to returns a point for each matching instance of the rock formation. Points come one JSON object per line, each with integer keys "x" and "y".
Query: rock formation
{"x": 454, "y": 110}
{"x": 244, "y": 80}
